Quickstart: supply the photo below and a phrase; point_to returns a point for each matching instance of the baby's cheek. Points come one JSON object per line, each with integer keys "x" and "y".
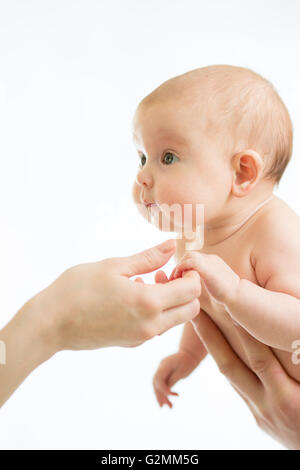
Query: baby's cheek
{"x": 179, "y": 197}
{"x": 170, "y": 194}
{"x": 188, "y": 210}
{"x": 179, "y": 194}
{"x": 136, "y": 193}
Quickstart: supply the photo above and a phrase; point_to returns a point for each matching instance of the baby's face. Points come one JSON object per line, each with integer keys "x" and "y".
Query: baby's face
{"x": 178, "y": 163}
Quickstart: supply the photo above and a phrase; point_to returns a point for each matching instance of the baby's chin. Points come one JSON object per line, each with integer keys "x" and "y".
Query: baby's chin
{"x": 155, "y": 216}
{"x": 170, "y": 218}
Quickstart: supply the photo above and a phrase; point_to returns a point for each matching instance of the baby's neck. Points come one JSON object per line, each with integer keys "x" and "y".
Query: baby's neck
{"x": 237, "y": 215}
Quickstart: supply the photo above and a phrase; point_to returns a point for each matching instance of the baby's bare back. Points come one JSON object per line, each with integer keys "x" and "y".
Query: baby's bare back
{"x": 239, "y": 251}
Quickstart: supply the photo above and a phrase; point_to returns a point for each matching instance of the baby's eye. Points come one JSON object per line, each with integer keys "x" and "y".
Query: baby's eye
{"x": 142, "y": 160}
{"x": 169, "y": 158}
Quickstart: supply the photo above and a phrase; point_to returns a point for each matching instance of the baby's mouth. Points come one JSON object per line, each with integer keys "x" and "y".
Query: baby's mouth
{"x": 148, "y": 204}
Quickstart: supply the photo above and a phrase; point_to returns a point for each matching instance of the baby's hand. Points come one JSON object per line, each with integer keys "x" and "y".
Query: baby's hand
{"x": 220, "y": 280}
{"x": 171, "y": 370}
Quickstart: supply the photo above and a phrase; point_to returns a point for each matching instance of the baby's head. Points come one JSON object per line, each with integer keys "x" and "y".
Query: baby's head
{"x": 210, "y": 136}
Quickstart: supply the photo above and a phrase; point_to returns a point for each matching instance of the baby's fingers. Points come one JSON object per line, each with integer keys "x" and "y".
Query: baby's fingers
{"x": 172, "y": 274}
{"x": 160, "y": 383}
{"x": 162, "y": 399}
{"x": 180, "y": 270}
{"x": 161, "y": 277}
{"x": 161, "y": 387}
{"x": 161, "y": 392}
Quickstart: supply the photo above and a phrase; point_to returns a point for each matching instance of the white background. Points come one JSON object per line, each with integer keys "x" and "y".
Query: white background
{"x": 71, "y": 75}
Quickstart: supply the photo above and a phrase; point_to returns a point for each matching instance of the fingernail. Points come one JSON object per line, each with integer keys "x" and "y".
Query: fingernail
{"x": 167, "y": 247}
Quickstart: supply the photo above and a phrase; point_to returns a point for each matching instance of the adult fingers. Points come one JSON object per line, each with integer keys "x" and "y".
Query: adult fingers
{"x": 177, "y": 315}
{"x": 146, "y": 261}
{"x": 264, "y": 363}
{"x": 228, "y": 362}
{"x": 251, "y": 406}
{"x": 177, "y": 292}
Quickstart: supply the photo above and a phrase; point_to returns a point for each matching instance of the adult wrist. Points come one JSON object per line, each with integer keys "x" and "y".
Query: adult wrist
{"x": 43, "y": 323}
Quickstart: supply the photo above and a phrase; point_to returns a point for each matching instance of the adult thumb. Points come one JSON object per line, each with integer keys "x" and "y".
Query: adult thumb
{"x": 148, "y": 260}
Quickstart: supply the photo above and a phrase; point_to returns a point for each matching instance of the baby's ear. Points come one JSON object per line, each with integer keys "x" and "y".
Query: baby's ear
{"x": 247, "y": 169}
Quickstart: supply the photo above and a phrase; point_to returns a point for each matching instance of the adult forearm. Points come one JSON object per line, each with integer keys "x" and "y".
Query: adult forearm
{"x": 271, "y": 317}
{"x": 26, "y": 341}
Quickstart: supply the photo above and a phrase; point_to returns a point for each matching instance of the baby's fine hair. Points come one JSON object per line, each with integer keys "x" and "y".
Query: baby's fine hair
{"x": 248, "y": 111}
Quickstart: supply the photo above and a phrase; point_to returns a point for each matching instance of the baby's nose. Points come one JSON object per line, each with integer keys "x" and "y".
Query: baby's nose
{"x": 144, "y": 178}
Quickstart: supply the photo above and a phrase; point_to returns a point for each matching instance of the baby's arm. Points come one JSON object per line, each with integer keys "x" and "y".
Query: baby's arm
{"x": 271, "y": 314}
{"x": 191, "y": 343}
{"x": 179, "y": 365}
{"x": 272, "y": 317}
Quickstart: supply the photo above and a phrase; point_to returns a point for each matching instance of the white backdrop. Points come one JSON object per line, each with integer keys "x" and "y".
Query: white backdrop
{"x": 71, "y": 75}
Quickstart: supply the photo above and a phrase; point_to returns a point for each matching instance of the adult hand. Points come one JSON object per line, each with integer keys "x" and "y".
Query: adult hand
{"x": 271, "y": 395}
{"x": 96, "y": 305}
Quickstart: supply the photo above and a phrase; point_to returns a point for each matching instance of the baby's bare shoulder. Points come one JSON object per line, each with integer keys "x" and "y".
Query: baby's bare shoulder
{"x": 276, "y": 235}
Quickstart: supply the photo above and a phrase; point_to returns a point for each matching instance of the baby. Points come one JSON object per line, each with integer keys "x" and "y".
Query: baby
{"x": 220, "y": 136}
